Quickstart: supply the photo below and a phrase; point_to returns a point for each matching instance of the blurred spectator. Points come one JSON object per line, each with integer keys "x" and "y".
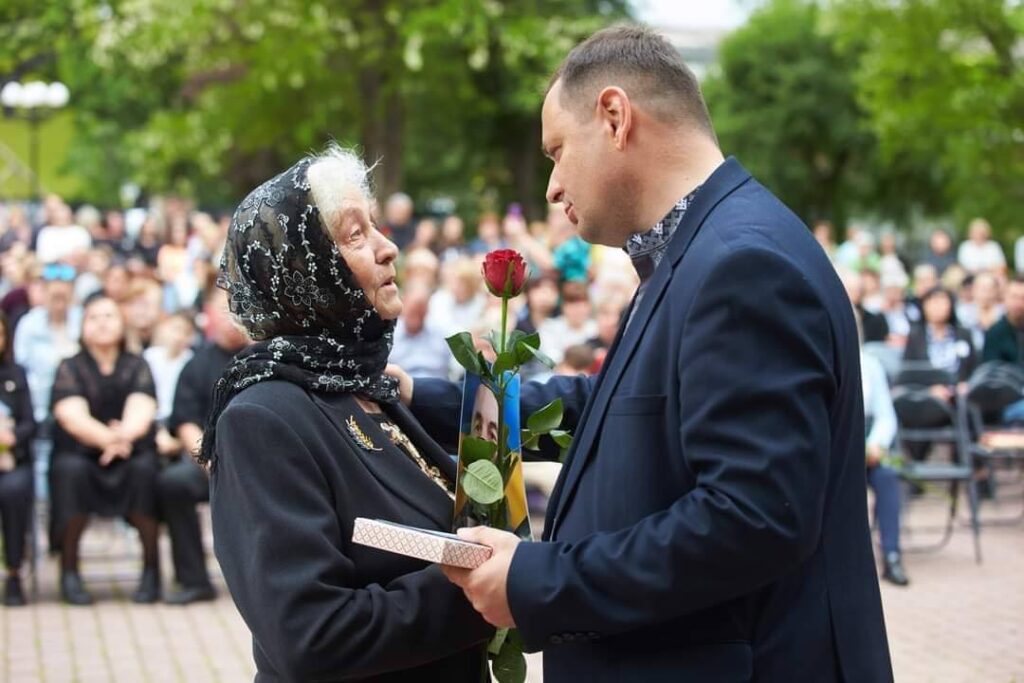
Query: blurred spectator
{"x": 143, "y": 311}
{"x": 398, "y": 222}
{"x": 894, "y": 308}
{"x": 105, "y": 458}
{"x": 17, "y": 427}
{"x": 939, "y": 253}
{"x": 21, "y": 274}
{"x": 147, "y": 244}
{"x": 926, "y": 278}
{"x": 89, "y": 217}
{"x": 1018, "y": 255}
{"x": 846, "y": 253}
{"x": 453, "y": 242}
{"x": 608, "y": 320}
{"x": 979, "y": 253}
{"x": 983, "y": 311}
{"x": 420, "y": 265}
{"x": 18, "y": 230}
{"x": 488, "y": 235}
{"x": 891, "y": 263}
{"x": 170, "y": 351}
{"x": 90, "y": 280}
{"x": 874, "y": 325}
{"x": 571, "y": 253}
{"x": 115, "y": 237}
{"x": 425, "y": 236}
{"x": 541, "y": 294}
{"x": 517, "y": 235}
{"x": 1004, "y": 341}
{"x": 823, "y": 233}
{"x": 418, "y": 348}
{"x": 48, "y": 334}
{"x": 863, "y": 256}
{"x": 117, "y": 282}
{"x": 182, "y": 484}
{"x": 173, "y": 266}
{"x": 942, "y": 343}
{"x": 459, "y": 304}
{"x": 871, "y": 290}
{"x": 574, "y": 326}
{"x": 62, "y": 239}
{"x": 880, "y": 430}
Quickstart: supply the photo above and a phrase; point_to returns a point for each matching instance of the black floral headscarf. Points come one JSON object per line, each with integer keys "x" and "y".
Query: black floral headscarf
{"x": 290, "y": 287}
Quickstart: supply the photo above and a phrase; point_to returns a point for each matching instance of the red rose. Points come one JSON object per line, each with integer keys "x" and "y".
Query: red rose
{"x": 505, "y": 273}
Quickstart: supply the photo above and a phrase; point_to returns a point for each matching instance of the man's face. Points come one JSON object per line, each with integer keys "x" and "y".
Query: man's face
{"x": 485, "y": 415}
{"x": 414, "y": 314}
{"x": 58, "y": 295}
{"x": 1014, "y": 302}
{"x": 589, "y": 177}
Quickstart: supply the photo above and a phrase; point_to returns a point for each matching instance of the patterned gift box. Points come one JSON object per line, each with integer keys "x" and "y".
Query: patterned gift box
{"x": 432, "y": 546}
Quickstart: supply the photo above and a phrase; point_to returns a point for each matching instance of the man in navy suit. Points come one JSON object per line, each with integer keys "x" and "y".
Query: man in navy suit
{"x": 710, "y": 522}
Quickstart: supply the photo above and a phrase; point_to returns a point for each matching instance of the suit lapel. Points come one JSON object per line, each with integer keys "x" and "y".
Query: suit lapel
{"x": 723, "y": 181}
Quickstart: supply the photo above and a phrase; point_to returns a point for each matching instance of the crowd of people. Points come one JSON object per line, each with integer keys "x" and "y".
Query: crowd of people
{"x": 114, "y": 332}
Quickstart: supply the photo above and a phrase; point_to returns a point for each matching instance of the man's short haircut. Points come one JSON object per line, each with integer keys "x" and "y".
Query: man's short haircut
{"x": 641, "y": 62}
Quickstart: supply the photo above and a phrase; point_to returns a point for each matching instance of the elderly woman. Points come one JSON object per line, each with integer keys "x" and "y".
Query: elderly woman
{"x": 306, "y": 434}
{"x": 105, "y": 461}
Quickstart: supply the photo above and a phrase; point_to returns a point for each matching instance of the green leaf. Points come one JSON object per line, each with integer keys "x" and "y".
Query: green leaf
{"x": 527, "y": 347}
{"x": 515, "y": 336}
{"x": 547, "y": 418}
{"x": 561, "y": 437}
{"x": 504, "y": 362}
{"x": 474, "y": 449}
{"x": 481, "y": 481}
{"x": 528, "y": 440}
{"x": 492, "y": 339}
{"x": 497, "y": 641}
{"x": 465, "y": 352}
{"x": 510, "y": 664}
{"x": 524, "y": 348}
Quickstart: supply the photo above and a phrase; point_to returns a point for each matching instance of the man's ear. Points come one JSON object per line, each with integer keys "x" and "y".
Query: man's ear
{"x": 616, "y": 114}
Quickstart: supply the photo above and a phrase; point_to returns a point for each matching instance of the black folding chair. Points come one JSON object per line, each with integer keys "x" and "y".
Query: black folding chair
{"x": 923, "y": 418}
{"x": 992, "y": 388}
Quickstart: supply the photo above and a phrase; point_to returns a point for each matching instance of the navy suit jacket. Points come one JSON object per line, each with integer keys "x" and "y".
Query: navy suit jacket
{"x": 710, "y": 523}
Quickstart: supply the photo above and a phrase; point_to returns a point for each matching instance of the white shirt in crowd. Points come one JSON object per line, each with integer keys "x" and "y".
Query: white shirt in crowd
{"x": 166, "y": 371}
{"x": 556, "y": 336}
{"x": 58, "y": 242}
{"x": 448, "y": 317}
{"x": 424, "y": 354}
{"x": 1018, "y": 255}
{"x": 976, "y": 258}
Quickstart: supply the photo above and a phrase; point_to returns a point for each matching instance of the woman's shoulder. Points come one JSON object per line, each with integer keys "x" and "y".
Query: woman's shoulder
{"x": 290, "y": 402}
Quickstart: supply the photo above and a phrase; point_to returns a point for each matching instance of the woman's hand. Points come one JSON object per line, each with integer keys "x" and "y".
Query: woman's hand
{"x": 404, "y": 383}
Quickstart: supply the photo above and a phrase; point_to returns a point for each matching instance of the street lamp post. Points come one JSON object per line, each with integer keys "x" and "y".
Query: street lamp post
{"x": 33, "y": 102}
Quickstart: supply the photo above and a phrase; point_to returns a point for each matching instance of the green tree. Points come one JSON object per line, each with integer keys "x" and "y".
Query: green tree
{"x": 943, "y": 85}
{"x": 208, "y": 97}
{"x": 784, "y": 101}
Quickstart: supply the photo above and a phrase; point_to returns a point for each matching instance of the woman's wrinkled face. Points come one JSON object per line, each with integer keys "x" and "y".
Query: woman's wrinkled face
{"x": 369, "y": 255}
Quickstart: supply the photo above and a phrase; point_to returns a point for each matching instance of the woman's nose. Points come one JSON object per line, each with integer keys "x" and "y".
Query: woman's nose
{"x": 387, "y": 251}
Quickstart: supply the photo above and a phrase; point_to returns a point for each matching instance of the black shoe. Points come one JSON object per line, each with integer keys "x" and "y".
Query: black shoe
{"x": 13, "y": 595}
{"x": 893, "y": 572}
{"x": 148, "y": 591}
{"x": 73, "y": 590}
{"x": 186, "y": 596}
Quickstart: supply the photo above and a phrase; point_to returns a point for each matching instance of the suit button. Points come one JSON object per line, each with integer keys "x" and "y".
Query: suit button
{"x": 568, "y": 637}
{"x": 555, "y": 640}
{"x": 593, "y": 636}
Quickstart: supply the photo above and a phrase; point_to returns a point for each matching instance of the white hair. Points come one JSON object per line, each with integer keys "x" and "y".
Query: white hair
{"x": 333, "y": 176}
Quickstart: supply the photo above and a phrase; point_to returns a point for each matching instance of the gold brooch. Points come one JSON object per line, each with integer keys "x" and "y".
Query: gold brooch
{"x": 360, "y": 436}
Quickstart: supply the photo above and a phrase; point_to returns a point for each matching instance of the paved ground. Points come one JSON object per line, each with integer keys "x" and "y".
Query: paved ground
{"x": 957, "y": 622}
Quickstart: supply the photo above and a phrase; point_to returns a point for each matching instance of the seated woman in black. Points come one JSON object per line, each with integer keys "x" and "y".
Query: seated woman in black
{"x": 306, "y": 434}
{"x": 17, "y": 426}
{"x": 104, "y": 461}
{"x": 939, "y": 341}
